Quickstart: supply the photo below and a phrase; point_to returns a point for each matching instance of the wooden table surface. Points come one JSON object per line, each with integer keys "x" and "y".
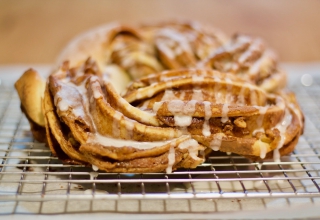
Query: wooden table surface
{"x": 35, "y": 31}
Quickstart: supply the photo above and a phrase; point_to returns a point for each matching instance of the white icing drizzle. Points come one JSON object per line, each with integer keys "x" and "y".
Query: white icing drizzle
{"x": 229, "y": 98}
{"x": 68, "y": 96}
{"x": 175, "y": 39}
{"x": 180, "y": 107}
{"x": 252, "y": 93}
{"x": 254, "y": 47}
{"x": 197, "y": 95}
{"x": 96, "y": 92}
{"x": 207, "y": 114}
{"x": 162, "y": 46}
{"x": 95, "y": 168}
{"x": 182, "y": 120}
{"x": 190, "y": 107}
{"x": 171, "y": 159}
{"x": 192, "y": 146}
{"x": 129, "y": 127}
{"x": 215, "y": 144}
{"x": 219, "y": 97}
{"x": 255, "y": 67}
{"x": 156, "y": 106}
{"x": 182, "y": 112}
{"x": 233, "y": 46}
{"x": 108, "y": 141}
{"x": 206, "y": 128}
{"x": 196, "y": 78}
{"x": 93, "y": 175}
{"x": 207, "y": 110}
{"x": 262, "y": 112}
{"x": 224, "y": 113}
{"x": 139, "y": 93}
{"x": 168, "y": 95}
{"x": 240, "y": 98}
{"x": 282, "y": 127}
{"x": 115, "y": 124}
{"x": 175, "y": 106}
{"x": 276, "y": 155}
{"x": 263, "y": 148}
{"x": 62, "y": 104}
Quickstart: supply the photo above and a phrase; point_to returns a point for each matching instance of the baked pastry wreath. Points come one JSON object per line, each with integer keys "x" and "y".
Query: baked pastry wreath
{"x": 155, "y": 98}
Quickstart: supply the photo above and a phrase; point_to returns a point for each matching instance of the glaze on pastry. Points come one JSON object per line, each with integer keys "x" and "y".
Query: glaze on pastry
{"x": 154, "y": 98}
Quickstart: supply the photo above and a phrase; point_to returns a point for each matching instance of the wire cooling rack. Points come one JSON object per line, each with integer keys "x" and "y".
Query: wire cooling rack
{"x": 34, "y": 181}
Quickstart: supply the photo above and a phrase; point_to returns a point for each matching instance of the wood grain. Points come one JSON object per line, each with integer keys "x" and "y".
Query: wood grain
{"x": 34, "y": 31}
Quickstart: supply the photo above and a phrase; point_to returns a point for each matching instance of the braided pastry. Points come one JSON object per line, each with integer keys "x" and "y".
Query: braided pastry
{"x": 220, "y": 111}
{"x": 155, "y": 98}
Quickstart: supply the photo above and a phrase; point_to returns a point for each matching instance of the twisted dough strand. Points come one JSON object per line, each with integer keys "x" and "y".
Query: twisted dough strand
{"x": 154, "y": 98}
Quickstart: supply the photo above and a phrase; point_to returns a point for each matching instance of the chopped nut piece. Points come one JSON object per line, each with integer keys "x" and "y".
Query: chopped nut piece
{"x": 272, "y": 133}
{"x": 228, "y": 129}
{"x": 265, "y": 139}
{"x": 240, "y": 122}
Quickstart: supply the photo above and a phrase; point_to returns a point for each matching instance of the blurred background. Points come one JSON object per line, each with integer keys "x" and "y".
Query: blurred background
{"x": 35, "y": 31}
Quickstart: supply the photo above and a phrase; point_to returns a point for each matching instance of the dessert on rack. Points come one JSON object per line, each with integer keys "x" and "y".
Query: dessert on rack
{"x": 155, "y": 98}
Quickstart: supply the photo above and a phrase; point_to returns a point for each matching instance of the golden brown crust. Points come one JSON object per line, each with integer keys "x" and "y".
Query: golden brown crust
{"x": 249, "y": 58}
{"x": 254, "y": 116}
{"x": 30, "y": 88}
{"x": 77, "y": 109}
{"x": 141, "y": 165}
{"x": 217, "y": 94}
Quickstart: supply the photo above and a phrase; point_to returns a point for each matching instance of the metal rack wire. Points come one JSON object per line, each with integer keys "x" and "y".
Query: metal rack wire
{"x": 34, "y": 181}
